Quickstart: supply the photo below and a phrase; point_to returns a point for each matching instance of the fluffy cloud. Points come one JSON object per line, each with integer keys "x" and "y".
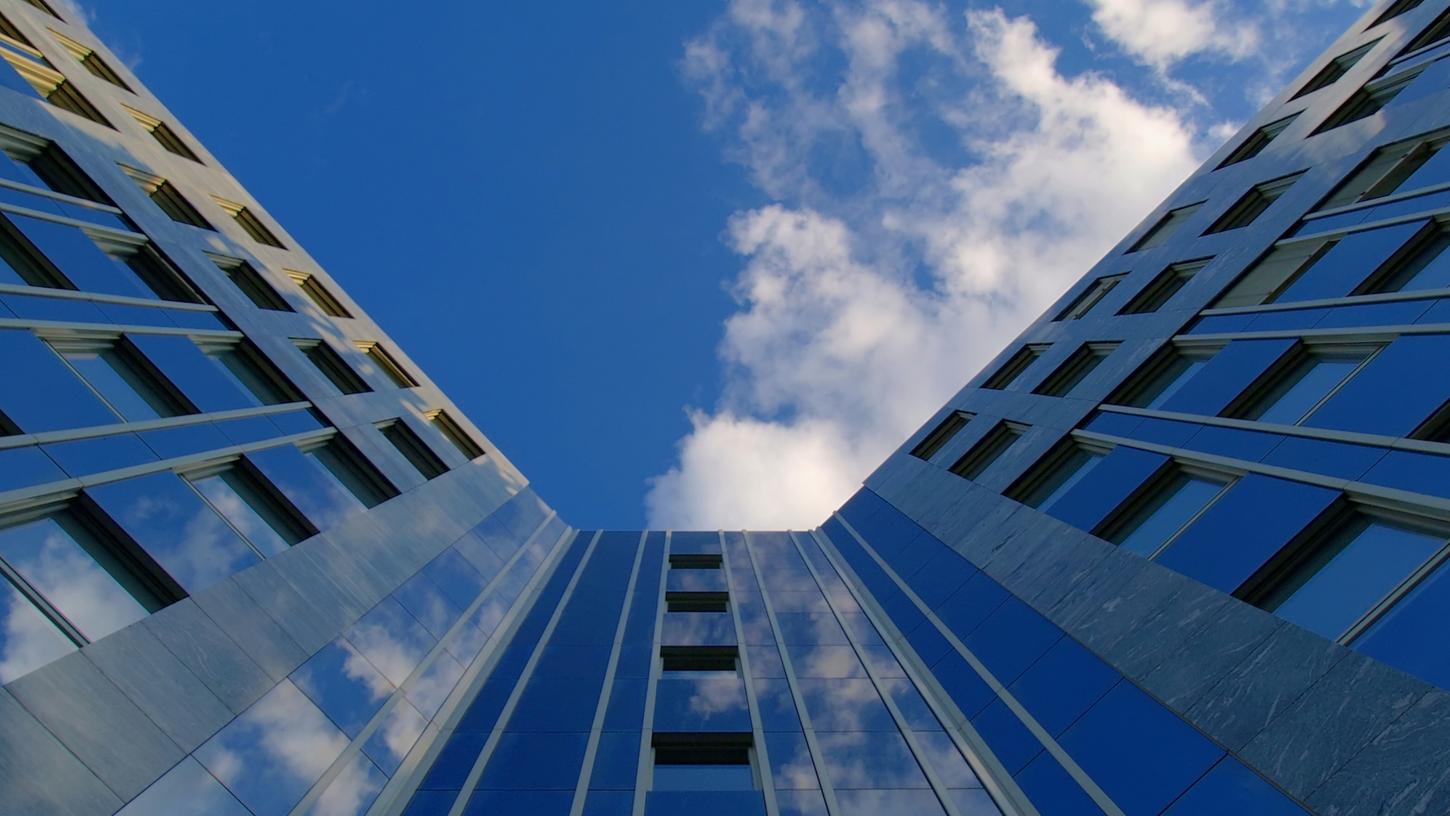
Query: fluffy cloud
{"x": 1162, "y": 32}
{"x": 869, "y": 294}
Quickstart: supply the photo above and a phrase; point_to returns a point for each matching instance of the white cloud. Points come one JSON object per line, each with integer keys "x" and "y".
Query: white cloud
{"x": 864, "y": 305}
{"x": 1162, "y": 32}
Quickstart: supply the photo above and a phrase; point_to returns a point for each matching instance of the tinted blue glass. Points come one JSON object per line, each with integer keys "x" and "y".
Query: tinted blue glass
{"x": 1011, "y": 638}
{"x": 572, "y": 661}
{"x": 1009, "y": 739}
{"x": 626, "y": 705}
{"x": 1252, "y": 446}
{"x": 26, "y": 467}
{"x": 431, "y": 803}
{"x": 882, "y": 662}
{"x": 940, "y": 576}
{"x": 764, "y": 661}
{"x": 845, "y": 705}
{"x": 28, "y": 640}
{"x": 167, "y": 518}
{"x": 435, "y": 610}
{"x": 83, "y": 457}
{"x": 352, "y": 791}
{"x": 1340, "y": 459}
{"x": 874, "y": 802}
{"x": 703, "y": 777}
{"x": 945, "y": 760}
{"x": 616, "y": 761}
{"x": 928, "y": 642}
{"x": 705, "y": 803}
{"x": 1399, "y": 369}
{"x": 316, "y": 493}
{"x": 342, "y": 683}
{"x": 1061, "y": 685}
{"x": 695, "y": 580}
{"x": 1226, "y": 376}
{"x": 800, "y": 803}
{"x": 515, "y": 762}
{"x": 791, "y": 767}
{"x": 915, "y": 713}
{"x": 776, "y": 704}
{"x": 185, "y": 790}
{"x": 392, "y": 640}
{"x": 198, "y": 376}
{"x": 1347, "y": 264}
{"x": 453, "y": 764}
{"x": 532, "y": 802}
{"x": 453, "y": 574}
{"x": 1164, "y": 431}
{"x": 694, "y": 543}
{"x": 390, "y": 743}
{"x": 1120, "y": 473}
{"x": 1260, "y": 514}
{"x": 709, "y": 704}
{"x": 1070, "y": 473}
{"x": 864, "y": 760}
{"x": 428, "y": 691}
{"x": 555, "y": 704}
{"x": 54, "y": 398}
{"x": 1052, "y": 790}
{"x": 1137, "y": 751}
{"x": 1231, "y": 788}
{"x": 1166, "y": 513}
{"x": 79, "y": 259}
{"x": 1302, "y": 389}
{"x": 1412, "y": 635}
{"x": 185, "y": 440}
{"x": 609, "y": 803}
{"x": 271, "y": 754}
{"x": 1352, "y": 572}
{"x": 965, "y": 610}
{"x": 962, "y": 683}
{"x": 698, "y": 629}
{"x": 793, "y": 601}
{"x": 825, "y": 661}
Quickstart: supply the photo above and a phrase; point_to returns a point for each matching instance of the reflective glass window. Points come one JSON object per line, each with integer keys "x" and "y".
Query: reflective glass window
{"x": 1163, "y": 378}
{"x": 254, "y": 508}
{"x": 1292, "y": 394}
{"x": 1348, "y": 572}
{"x": 28, "y": 639}
{"x": 1155, "y": 517}
{"x": 1057, "y": 475}
{"x": 123, "y": 378}
{"x": 696, "y": 762}
{"x": 82, "y": 576}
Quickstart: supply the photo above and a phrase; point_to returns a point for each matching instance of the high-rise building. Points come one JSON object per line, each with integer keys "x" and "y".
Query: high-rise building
{"x": 1181, "y": 549}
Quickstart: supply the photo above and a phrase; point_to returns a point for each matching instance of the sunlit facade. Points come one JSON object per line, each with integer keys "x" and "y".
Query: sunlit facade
{"x": 1180, "y": 550}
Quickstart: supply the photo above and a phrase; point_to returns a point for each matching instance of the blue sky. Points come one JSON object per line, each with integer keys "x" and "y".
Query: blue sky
{"x": 705, "y": 264}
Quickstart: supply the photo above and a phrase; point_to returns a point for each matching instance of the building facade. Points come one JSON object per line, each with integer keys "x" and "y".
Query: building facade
{"x": 1180, "y": 550}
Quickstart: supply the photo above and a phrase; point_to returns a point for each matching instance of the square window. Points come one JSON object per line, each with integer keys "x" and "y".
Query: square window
{"x": 454, "y": 433}
{"x": 386, "y": 363}
{"x": 988, "y": 450}
{"x": 1075, "y": 369}
{"x": 1253, "y": 204}
{"x": 1258, "y": 140}
{"x": 352, "y": 470}
{"x": 703, "y": 762}
{"x": 1386, "y": 170}
{"x": 162, "y": 133}
{"x": 166, "y": 197}
{"x": 252, "y": 505}
{"x": 258, "y": 290}
{"x": 1085, "y": 302}
{"x": 79, "y": 573}
{"x": 1061, "y": 469}
{"x": 1150, "y": 519}
{"x": 941, "y": 435}
{"x": 254, "y": 373}
{"x": 1015, "y": 365}
{"x": 1290, "y": 391}
{"x": 697, "y": 602}
{"x": 1421, "y": 264}
{"x": 1164, "y": 229}
{"x": 332, "y": 366}
{"x": 249, "y": 222}
{"x": 1162, "y": 288}
{"x": 122, "y": 376}
{"x": 1342, "y": 570}
{"x": 415, "y": 450}
{"x": 313, "y": 288}
{"x": 1337, "y": 67}
{"x": 92, "y": 61}
{"x": 1162, "y": 377}
{"x": 700, "y": 661}
{"x": 1369, "y": 100}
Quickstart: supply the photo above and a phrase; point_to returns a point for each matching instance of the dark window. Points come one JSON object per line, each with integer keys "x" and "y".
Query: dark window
{"x": 1274, "y": 273}
{"x": 1164, "y": 229}
{"x": 1162, "y": 288}
{"x": 1433, "y": 33}
{"x": 353, "y": 471}
{"x": 1084, "y": 303}
{"x": 1151, "y": 518}
{"x": 249, "y": 222}
{"x": 52, "y": 86}
{"x": 1396, "y": 9}
{"x": 92, "y": 61}
{"x": 1291, "y": 390}
{"x": 703, "y": 762}
{"x": 319, "y": 294}
{"x": 1369, "y": 100}
{"x": 988, "y": 450}
{"x": 1062, "y": 468}
{"x": 251, "y": 283}
{"x": 332, "y": 366}
{"x": 1253, "y": 204}
{"x": 1337, "y": 67}
{"x": 941, "y": 435}
{"x": 1258, "y": 140}
{"x": 696, "y": 561}
{"x": 163, "y": 134}
{"x": 255, "y": 374}
{"x": 454, "y": 433}
{"x": 252, "y": 505}
{"x": 166, "y": 197}
{"x": 697, "y": 660}
{"x": 1161, "y": 377}
{"x": 1075, "y": 369}
{"x": 415, "y": 450}
{"x": 1015, "y": 365}
{"x": 122, "y": 376}
{"x": 697, "y": 601}
{"x": 1386, "y": 170}
{"x": 387, "y": 364}
{"x": 1421, "y": 264}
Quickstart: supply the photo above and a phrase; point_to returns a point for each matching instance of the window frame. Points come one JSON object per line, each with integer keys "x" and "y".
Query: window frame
{"x": 993, "y": 445}
{"x": 331, "y": 365}
{"x": 1133, "y": 512}
{"x": 1076, "y": 368}
{"x": 1015, "y": 366}
{"x": 1267, "y": 389}
{"x": 1160, "y": 291}
{"x": 412, "y": 448}
{"x": 1084, "y": 303}
{"x": 1261, "y": 138}
{"x": 944, "y": 432}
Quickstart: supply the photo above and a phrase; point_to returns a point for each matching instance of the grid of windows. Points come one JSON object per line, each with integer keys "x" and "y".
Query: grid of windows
{"x": 1389, "y": 168}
